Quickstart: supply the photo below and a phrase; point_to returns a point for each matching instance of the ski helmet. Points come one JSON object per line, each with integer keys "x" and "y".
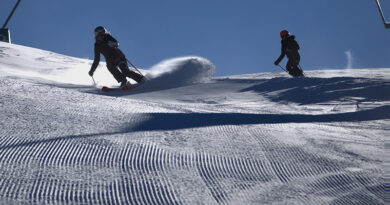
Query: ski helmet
{"x": 284, "y": 34}
{"x": 99, "y": 31}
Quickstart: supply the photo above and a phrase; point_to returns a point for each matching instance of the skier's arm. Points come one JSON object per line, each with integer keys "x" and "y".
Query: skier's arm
{"x": 96, "y": 62}
{"x": 283, "y": 53}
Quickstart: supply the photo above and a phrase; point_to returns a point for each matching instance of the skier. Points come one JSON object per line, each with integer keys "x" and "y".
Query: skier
{"x": 290, "y": 48}
{"x": 108, "y": 46}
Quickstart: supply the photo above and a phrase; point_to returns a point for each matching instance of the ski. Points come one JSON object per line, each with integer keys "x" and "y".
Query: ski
{"x": 125, "y": 88}
{"x": 108, "y": 89}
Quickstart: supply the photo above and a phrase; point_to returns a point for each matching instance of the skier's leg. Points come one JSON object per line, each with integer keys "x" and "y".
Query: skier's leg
{"x": 116, "y": 73}
{"x": 131, "y": 74}
{"x": 297, "y": 70}
{"x": 292, "y": 67}
{"x": 289, "y": 67}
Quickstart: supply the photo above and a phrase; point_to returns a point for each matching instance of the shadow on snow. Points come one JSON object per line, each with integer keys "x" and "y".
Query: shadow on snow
{"x": 172, "y": 121}
{"x": 175, "y": 121}
{"x": 319, "y": 90}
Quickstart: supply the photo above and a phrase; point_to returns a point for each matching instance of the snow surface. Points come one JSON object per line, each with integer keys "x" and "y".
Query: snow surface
{"x": 187, "y": 138}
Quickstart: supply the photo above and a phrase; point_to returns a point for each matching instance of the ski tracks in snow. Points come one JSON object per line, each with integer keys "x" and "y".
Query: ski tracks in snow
{"x": 70, "y": 147}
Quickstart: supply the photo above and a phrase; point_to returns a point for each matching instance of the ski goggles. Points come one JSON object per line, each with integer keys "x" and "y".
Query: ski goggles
{"x": 99, "y": 32}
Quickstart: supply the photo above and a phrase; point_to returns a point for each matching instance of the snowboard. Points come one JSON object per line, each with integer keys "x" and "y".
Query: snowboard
{"x": 108, "y": 89}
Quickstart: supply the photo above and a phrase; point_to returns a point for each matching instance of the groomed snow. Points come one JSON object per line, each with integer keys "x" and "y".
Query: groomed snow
{"x": 187, "y": 138}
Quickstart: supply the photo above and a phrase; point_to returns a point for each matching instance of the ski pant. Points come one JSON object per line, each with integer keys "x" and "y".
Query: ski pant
{"x": 292, "y": 66}
{"x": 121, "y": 70}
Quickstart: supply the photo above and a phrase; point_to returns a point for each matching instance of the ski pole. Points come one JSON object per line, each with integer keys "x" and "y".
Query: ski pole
{"x": 94, "y": 82}
{"x": 120, "y": 53}
{"x": 136, "y": 69}
{"x": 302, "y": 71}
{"x": 282, "y": 68}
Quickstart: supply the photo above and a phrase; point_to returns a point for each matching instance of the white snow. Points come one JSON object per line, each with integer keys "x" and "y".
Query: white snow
{"x": 187, "y": 138}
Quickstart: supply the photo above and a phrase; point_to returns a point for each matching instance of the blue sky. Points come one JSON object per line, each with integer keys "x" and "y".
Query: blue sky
{"x": 238, "y": 36}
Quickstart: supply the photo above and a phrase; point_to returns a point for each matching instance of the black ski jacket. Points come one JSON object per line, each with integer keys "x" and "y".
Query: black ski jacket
{"x": 109, "y": 48}
{"x": 290, "y": 48}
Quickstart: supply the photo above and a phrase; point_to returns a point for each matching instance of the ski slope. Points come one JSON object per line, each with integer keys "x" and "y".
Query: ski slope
{"x": 188, "y": 138}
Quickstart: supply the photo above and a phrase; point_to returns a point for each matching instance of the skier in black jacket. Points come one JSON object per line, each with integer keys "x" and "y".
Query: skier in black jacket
{"x": 108, "y": 46}
{"x": 290, "y": 48}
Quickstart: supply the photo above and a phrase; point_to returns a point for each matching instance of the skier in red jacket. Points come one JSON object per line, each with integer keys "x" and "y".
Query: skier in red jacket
{"x": 108, "y": 46}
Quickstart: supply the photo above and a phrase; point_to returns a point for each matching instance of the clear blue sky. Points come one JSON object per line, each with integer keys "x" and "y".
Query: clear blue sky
{"x": 238, "y": 36}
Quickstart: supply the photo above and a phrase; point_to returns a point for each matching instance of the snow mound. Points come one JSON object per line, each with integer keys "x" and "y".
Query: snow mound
{"x": 178, "y": 72}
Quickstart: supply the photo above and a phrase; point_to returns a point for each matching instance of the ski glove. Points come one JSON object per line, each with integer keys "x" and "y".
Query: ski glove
{"x": 276, "y": 63}
{"x": 90, "y": 73}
